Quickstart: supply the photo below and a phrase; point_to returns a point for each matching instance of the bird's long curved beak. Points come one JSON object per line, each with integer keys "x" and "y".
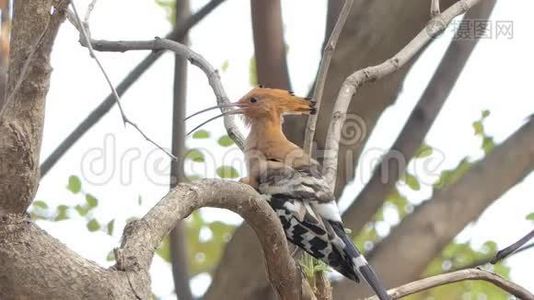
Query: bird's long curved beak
{"x": 227, "y": 105}
{"x": 232, "y": 112}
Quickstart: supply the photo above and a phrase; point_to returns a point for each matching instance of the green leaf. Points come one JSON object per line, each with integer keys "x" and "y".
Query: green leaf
{"x": 110, "y": 256}
{"x": 91, "y": 200}
{"x": 201, "y": 134}
{"x": 424, "y": 151}
{"x": 193, "y": 177}
{"x": 40, "y": 204}
{"x": 110, "y": 226}
{"x": 75, "y": 185}
{"x": 412, "y": 181}
{"x": 488, "y": 144}
{"x": 530, "y": 216}
{"x": 82, "y": 210}
{"x": 399, "y": 201}
{"x": 195, "y": 155}
{"x": 170, "y": 9}
{"x": 253, "y": 73}
{"x": 61, "y": 213}
{"x": 478, "y": 127}
{"x": 485, "y": 113}
{"x": 227, "y": 172}
{"x": 225, "y": 65}
{"x": 93, "y": 225}
{"x": 164, "y": 249}
{"x": 225, "y": 141}
{"x": 38, "y": 216}
{"x": 448, "y": 177}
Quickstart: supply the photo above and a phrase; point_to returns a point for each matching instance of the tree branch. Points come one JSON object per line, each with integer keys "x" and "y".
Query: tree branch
{"x": 194, "y": 58}
{"x": 269, "y": 45}
{"x": 178, "y": 235}
{"x": 434, "y": 8}
{"x": 437, "y": 221}
{"x": 318, "y": 90}
{"x": 356, "y": 80}
{"x": 83, "y": 29}
{"x": 502, "y": 254}
{"x": 142, "y": 237}
{"x": 394, "y": 162}
{"x": 178, "y": 33}
{"x": 452, "y": 277}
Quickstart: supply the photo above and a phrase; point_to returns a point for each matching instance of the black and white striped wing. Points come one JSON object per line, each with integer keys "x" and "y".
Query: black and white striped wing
{"x": 306, "y": 206}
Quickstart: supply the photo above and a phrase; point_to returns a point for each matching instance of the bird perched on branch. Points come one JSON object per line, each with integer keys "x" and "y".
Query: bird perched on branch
{"x": 294, "y": 185}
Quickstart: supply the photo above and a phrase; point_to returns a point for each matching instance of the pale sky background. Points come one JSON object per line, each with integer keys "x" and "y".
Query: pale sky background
{"x": 497, "y": 77}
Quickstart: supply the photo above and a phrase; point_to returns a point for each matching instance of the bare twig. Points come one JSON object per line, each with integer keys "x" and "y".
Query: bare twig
{"x": 481, "y": 262}
{"x": 193, "y": 57}
{"x": 318, "y": 90}
{"x": 105, "y": 106}
{"x": 354, "y": 81}
{"x": 502, "y": 254}
{"x": 83, "y": 32}
{"x": 448, "y": 278}
{"x": 434, "y": 8}
{"x": 393, "y": 163}
{"x": 90, "y": 8}
{"x": 142, "y": 237}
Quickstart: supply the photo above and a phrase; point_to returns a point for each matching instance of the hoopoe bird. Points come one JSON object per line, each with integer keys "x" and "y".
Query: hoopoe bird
{"x": 294, "y": 186}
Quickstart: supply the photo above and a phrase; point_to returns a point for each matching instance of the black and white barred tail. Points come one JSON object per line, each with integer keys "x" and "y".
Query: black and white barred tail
{"x": 337, "y": 250}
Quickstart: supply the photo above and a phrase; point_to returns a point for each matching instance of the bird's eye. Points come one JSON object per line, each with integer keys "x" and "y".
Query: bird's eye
{"x": 253, "y": 100}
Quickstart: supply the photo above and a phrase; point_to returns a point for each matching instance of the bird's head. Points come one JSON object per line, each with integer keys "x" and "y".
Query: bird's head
{"x": 262, "y": 103}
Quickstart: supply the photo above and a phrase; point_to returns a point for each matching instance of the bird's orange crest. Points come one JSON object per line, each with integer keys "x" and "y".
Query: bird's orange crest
{"x": 262, "y": 103}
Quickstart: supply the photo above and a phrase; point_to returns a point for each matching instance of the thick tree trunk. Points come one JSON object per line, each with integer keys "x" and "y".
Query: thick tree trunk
{"x": 21, "y": 118}
{"x": 37, "y": 266}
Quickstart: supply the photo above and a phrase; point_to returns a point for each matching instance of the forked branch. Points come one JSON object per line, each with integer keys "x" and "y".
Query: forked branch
{"x": 357, "y": 79}
{"x": 196, "y": 59}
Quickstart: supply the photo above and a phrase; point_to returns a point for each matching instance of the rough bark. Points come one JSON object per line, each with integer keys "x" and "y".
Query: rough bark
{"x": 37, "y": 266}
{"x": 147, "y": 233}
{"x": 436, "y": 222}
{"x": 21, "y": 118}
{"x": 421, "y": 119}
{"x": 5, "y": 19}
